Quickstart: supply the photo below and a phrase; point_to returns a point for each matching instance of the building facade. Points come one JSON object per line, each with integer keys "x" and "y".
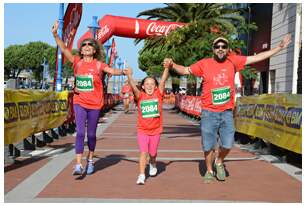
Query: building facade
{"x": 282, "y": 73}
{"x": 284, "y": 67}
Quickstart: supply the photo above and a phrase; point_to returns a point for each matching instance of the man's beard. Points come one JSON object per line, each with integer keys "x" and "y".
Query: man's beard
{"x": 220, "y": 60}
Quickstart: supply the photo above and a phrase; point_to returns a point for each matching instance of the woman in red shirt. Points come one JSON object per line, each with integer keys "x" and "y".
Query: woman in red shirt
{"x": 149, "y": 102}
{"x": 88, "y": 94}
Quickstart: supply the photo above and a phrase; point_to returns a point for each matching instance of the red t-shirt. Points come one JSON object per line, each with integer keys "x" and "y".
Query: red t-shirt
{"x": 126, "y": 91}
{"x": 89, "y": 85}
{"x": 218, "y": 89}
{"x": 150, "y": 113}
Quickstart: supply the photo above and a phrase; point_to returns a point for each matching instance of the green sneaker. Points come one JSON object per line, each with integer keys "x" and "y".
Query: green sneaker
{"x": 220, "y": 172}
{"x": 208, "y": 177}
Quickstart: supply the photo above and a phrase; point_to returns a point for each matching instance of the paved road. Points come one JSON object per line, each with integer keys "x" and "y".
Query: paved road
{"x": 46, "y": 177}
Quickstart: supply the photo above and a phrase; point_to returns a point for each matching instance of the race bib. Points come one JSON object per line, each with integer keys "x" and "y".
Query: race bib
{"x": 149, "y": 108}
{"x": 84, "y": 83}
{"x": 221, "y": 95}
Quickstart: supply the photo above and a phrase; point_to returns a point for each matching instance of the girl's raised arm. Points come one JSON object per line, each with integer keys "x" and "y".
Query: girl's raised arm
{"x": 163, "y": 80}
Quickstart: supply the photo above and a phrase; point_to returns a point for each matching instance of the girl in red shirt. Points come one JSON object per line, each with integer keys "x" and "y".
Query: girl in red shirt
{"x": 149, "y": 102}
{"x": 88, "y": 94}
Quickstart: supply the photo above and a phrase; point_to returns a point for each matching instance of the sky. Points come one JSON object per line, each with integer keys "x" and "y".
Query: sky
{"x": 26, "y": 22}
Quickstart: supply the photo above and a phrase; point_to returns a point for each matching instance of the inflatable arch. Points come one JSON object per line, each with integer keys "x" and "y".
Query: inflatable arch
{"x": 130, "y": 28}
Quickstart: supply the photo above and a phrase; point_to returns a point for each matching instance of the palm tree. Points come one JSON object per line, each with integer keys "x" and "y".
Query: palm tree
{"x": 193, "y": 12}
{"x": 200, "y": 17}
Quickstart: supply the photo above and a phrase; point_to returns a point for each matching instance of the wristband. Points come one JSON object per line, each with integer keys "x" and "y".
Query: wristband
{"x": 189, "y": 70}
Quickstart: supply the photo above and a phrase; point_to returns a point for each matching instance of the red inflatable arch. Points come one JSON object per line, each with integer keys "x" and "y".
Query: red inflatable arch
{"x": 131, "y": 28}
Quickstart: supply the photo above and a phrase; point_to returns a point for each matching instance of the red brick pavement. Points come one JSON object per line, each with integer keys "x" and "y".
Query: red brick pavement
{"x": 180, "y": 170}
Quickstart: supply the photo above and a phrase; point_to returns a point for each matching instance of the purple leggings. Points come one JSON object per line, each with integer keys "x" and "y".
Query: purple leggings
{"x": 81, "y": 115}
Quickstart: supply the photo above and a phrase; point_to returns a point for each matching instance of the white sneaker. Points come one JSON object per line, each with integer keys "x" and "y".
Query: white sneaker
{"x": 153, "y": 170}
{"x": 141, "y": 179}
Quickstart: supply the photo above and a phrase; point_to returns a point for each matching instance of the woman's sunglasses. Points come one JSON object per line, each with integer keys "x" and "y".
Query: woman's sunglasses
{"x": 87, "y": 44}
{"x": 220, "y": 46}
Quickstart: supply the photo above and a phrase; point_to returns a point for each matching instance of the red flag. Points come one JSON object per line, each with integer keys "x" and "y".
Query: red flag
{"x": 113, "y": 53}
{"x": 72, "y": 20}
{"x": 71, "y": 23}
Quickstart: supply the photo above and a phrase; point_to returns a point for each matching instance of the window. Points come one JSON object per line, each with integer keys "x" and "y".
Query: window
{"x": 272, "y": 81}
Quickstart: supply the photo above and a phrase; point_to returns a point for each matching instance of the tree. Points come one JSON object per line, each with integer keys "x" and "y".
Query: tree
{"x": 14, "y": 60}
{"x": 192, "y": 42}
{"x": 36, "y": 51}
{"x": 30, "y": 56}
{"x": 250, "y": 75}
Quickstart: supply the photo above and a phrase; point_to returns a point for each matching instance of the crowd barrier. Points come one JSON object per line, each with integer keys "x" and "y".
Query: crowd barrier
{"x": 276, "y": 118}
{"x": 28, "y": 112}
{"x": 189, "y": 104}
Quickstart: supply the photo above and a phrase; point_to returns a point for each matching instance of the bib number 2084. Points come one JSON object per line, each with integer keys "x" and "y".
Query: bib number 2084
{"x": 84, "y": 83}
{"x": 149, "y": 108}
{"x": 221, "y": 95}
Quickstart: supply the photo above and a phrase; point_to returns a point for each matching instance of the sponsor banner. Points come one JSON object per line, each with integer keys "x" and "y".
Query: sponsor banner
{"x": 27, "y": 112}
{"x": 189, "y": 104}
{"x": 276, "y": 118}
{"x": 131, "y": 28}
{"x": 183, "y": 103}
{"x": 197, "y": 109}
{"x": 190, "y": 101}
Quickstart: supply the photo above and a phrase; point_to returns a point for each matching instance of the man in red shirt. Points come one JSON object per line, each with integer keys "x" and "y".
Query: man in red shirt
{"x": 218, "y": 93}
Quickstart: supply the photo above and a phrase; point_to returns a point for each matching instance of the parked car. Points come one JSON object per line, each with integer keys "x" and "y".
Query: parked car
{"x": 182, "y": 90}
{"x": 168, "y": 90}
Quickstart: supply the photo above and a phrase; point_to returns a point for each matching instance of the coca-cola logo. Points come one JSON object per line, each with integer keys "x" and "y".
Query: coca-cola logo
{"x": 102, "y": 32}
{"x": 159, "y": 29}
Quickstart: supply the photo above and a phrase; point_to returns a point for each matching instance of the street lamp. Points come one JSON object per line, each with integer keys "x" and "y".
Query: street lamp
{"x": 94, "y": 26}
{"x": 107, "y": 46}
{"x": 114, "y": 77}
{"x": 45, "y": 72}
{"x": 58, "y": 87}
{"x": 120, "y": 63}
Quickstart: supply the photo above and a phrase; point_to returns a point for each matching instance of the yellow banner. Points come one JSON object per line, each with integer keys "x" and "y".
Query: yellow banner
{"x": 27, "y": 112}
{"x": 276, "y": 118}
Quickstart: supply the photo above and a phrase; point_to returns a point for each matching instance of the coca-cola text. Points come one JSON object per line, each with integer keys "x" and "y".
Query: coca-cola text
{"x": 159, "y": 29}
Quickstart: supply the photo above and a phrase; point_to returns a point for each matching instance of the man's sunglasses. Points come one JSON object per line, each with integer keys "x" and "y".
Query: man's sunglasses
{"x": 220, "y": 46}
{"x": 87, "y": 44}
